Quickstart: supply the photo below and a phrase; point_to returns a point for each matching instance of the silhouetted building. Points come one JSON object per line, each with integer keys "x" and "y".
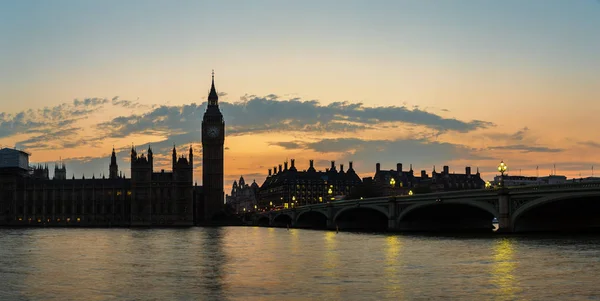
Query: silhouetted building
{"x": 528, "y": 180}
{"x": 243, "y": 197}
{"x": 213, "y": 139}
{"x": 29, "y": 197}
{"x": 60, "y": 171}
{"x": 286, "y": 188}
{"x": 401, "y": 182}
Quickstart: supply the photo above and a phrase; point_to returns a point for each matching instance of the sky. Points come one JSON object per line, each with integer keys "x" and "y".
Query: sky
{"x": 428, "y": 83}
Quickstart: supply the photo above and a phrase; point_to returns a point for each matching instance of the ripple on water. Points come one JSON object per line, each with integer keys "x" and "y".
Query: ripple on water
{"x": 240, "y": 263}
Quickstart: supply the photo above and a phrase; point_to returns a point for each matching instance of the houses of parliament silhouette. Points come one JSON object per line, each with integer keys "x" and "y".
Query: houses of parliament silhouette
{"x": 29, "y": 197}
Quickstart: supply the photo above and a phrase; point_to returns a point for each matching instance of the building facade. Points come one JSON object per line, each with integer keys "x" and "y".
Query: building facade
{"x": 404, "y": 182}
{"x": 527, "y": 180}
{"x": 213, "y": 140}
{"x": 288, "y": 187}
{"x": 30, "y": 198}
{"x": 243, "y": 197}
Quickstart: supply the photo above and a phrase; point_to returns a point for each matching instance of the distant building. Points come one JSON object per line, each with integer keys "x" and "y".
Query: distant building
{"x": 14, "y": 159}
{"x": 588, "y": 179}
{"x": 527, "y": 180}
{"x": 243, "y": 196}
{"x": 403, "y": 182}
{"x": 287, "y": 188}
{"x": 29, "y": 197}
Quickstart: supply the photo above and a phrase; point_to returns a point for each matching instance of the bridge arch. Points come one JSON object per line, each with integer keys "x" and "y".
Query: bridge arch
{"x": 311, "y": 219}
{"x": 363, "y": 217}
{"x": 559, "y": 212}
{"x": 448, "y": 215}
{"x": 263, "y": 221}
{"x": 282, "y": 220}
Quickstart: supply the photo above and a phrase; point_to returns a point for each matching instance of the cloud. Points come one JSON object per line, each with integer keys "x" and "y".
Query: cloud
{"x": 300, "y": 114}
{"x": 181, "y": 124}
{"x": 125, "y": 103}
{"x": 519, "y": 135}
{"x": 527, "y": 148}
{"x": 267, "y": 114}
{"x": 590, "y": 144}
{"x": 289, "y": 145}
{"x": 49, "y": 126}
{"x": 419, "y": 152}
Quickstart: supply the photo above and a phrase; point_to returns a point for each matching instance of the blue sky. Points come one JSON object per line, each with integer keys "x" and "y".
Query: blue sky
{"x": 514, "y": 64}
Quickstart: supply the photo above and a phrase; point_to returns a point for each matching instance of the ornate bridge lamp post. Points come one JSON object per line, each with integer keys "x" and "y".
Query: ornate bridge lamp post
{"x": 502, "y": 168}
{"x": 488, "y": 185}
{"x": 393, "y": 184}
{"x": 504, "y": 224}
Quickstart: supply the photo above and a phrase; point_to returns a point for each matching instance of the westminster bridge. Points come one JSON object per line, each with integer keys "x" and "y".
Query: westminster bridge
{"x": 569, "y": 206}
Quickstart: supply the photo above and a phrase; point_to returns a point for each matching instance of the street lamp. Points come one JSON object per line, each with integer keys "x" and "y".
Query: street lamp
{"x": 502, "y": 168}
{"x": 392, "y": 182}
{"x": 410, "y": 192}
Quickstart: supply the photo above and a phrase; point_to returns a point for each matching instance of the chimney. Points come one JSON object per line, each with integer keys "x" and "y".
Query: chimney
{"x": 350, "y": 165}
{"x": 279, "y": 167}
{"x": 341, "y": 167}
{"x": 399, "y": 167}
{"x": 285, "y": 165}
{"x": 446, "y": 169}
{"x": 332, "y": 165}
{"x": 377, "y": 167}
{"x": 274, "y": 170}
{"x": 423, "y": 174}
{"x": 269, "y": 172}
{"x": 293, "y": 163}
{"x": 312, "y": 163}
{"x": 468, "y": 170}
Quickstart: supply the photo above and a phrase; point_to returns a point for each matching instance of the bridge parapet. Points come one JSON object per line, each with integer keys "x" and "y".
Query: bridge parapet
{"x": 505, "y": 204}
{"x": 582, "y": 185}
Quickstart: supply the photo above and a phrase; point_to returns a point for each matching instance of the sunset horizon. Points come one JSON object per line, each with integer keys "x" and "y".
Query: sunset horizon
{"x": 390, "y": 97}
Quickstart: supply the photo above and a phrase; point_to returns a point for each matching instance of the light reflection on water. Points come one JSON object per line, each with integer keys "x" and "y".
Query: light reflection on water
{"x": 503, "y": 270}
{"x": 279, "y": 264}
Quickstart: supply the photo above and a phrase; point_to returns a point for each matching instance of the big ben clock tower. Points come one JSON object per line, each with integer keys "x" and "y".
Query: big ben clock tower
{"x": 213, "y": 138}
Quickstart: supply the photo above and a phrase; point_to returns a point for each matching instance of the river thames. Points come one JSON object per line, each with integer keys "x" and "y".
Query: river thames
{"x": 248, "y": 263}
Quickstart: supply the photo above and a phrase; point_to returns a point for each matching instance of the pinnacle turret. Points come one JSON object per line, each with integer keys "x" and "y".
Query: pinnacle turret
{"x": 213, "y": 97}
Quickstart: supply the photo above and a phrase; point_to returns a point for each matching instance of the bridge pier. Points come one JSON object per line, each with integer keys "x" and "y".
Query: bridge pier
{"x": 330, "y": 222}
{"x": 504, "y": 223}
{"x": 294, "y": 218}
{"x": 392, "y": 221}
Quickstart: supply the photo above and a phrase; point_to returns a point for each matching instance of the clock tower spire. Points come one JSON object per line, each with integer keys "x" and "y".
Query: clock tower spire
{"x": 213, "y": 97}
{"x": 213, "y": 139}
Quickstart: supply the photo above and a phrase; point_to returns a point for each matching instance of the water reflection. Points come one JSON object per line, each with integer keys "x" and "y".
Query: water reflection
{"x": 503, "y": 269}
{"x": 392, "y": 267}
{"x": 241, "y": 263}
{"x": 213, "y": 262}
{"x": 331, "y": 263}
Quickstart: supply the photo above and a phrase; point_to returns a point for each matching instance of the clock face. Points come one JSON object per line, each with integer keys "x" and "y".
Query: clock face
{"x": 212, "y": 132}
